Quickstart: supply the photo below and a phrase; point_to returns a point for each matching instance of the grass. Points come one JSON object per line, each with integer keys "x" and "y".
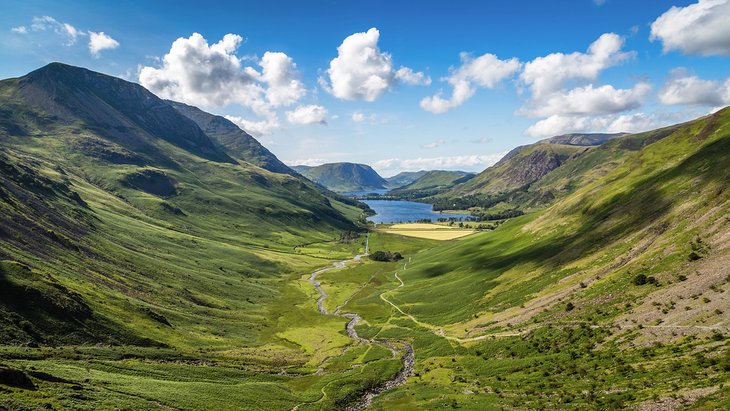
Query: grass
{"x": 200, "y": 300}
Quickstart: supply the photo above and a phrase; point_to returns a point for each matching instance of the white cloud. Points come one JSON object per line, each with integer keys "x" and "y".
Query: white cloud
{"x": 548, "y": 74}
{"x": 484, "y": 71}
{"x": 701, "y": 28}
{"x": 206, "y": 75}
{"x": 360, "y": 117}
{"x": 312, "y": 162}
{"x": 211, "y": 75}
{"x": 684, "y": 88}
{"x": 279, "y": 72}
{"x": 69, "y": 32}
{"x": 101, "y": 41}
{"x": 562, "y": 89}
{"x": 19, "y": 30}
{"x": 589, "y": 100}
{"x": 466, "y": 163}
{"x": 408, "y": 76}
{"x": 256, "y": 128}
{"x": 310, "y": 114}
{"x": 629, "y": 123}
{"x": 434, "y": 144}
{"x": 362, "y": 72}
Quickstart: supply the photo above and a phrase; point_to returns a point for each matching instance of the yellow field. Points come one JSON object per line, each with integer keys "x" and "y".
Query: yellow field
{"x": 428, "y": 231}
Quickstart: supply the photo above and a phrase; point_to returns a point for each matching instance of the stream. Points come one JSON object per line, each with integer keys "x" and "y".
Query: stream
{"x": 399, "y": 348}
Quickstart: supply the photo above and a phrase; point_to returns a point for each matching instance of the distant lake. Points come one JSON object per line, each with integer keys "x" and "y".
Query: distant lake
{"x": 389, "y": 212}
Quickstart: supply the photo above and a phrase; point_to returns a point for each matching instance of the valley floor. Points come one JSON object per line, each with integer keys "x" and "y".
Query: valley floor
{"x": 317, "y": 360}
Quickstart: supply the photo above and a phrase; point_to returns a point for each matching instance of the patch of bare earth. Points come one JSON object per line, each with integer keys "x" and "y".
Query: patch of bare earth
{"x": 679, "y": 399}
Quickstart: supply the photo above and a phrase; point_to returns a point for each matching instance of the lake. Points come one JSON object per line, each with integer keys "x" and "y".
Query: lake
{"x": 390, "y": 211}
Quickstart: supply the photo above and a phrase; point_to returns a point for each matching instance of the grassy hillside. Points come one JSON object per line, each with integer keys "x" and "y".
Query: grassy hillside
{"x": 432, "y": 182}
{"x": 143, "y": 267}
{"x": 404, "y": 178}
{"x": 615, "y": 296}
{"x": 344, "y": 177}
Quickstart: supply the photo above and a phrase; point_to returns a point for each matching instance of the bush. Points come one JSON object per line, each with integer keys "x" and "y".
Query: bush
{"x": 640, "y": 279}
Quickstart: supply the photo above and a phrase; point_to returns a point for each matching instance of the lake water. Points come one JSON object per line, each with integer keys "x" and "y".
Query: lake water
{"x": 389, "y": 212}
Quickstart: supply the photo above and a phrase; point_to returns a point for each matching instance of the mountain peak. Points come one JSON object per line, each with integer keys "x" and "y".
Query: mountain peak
{"x": 118, "y": 110}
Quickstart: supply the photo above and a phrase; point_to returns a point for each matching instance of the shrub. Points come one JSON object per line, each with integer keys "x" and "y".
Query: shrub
{"x": 640, "y": 279}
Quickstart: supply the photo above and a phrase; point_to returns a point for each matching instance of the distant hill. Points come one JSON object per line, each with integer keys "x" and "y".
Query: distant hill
{"x": 432, "y": 182}
{"x": 582, "y": 139}
{"x": 301, "y": 168}
{"x": 404, "y": 178}
{"x": 345, "y": 177}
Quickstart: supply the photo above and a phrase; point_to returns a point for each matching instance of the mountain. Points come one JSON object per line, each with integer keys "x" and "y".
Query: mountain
{"x": 121, "y": 215}
{"x": 582, "y": 139}
{"x": 231, "y": 139}
{"x": 345, "y": 177}
{"x": 521, "y": 166}
{"x": 520, "y": 179}
{"x": 432, "y": 182}
{"x": 404, "y": 178}
{"x": 301, "y": 168}
{"x": 597, "y": 300}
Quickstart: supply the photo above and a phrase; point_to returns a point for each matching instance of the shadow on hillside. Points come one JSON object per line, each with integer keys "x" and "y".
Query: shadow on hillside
{"x": 632, "y": 211}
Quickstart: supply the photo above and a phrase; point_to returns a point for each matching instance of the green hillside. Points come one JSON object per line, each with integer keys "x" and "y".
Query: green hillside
{"x": 432, "y": 182}
{"x": 404, "y": 178}
{"x": 345, "y": 177}
{"x": 154, "y": 260}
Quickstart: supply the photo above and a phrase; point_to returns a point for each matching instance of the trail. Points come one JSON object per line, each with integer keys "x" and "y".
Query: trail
{"x": 434, "y": 329}
{"x": 399, "y": 348}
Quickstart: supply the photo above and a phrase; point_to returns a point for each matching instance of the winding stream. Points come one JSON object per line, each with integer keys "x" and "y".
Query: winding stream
{"x": 399, "y": 348}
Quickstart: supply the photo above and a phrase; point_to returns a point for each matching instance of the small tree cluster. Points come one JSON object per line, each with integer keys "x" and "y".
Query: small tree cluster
{"x": 386, "y": 256}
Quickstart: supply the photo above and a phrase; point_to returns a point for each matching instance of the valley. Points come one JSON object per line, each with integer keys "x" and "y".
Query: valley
{"x": 156, "y": 256}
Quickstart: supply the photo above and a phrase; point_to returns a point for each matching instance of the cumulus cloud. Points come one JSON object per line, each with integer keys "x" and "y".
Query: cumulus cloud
{"x": 279, "y": 71}
{"x": 211, "y": 75}
{"x": 590, "y": 100}
{"x": 256, "y": 128}
{"x": 684, "y": 88}
{"x": 310, "y": 114}
{"x": 545, "y": 75}
{"x": 617, "y": 123}
{"x": 466, "y": 163}
{"x": 362, "y": 72}
{"x": 700, "y": 28}
{"x": 101, "y": 41}
{"x": 562, "y": 88}
{"x": 19, "y": 30}
{"x": 197, "y": 73}
{"x": 408, "y": 76}
{"x": 484, "y": 71}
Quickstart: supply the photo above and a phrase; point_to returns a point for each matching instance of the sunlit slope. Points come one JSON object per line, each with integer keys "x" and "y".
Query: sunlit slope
{"x": 660, "y": 202}
{"x": 130, "y": 225}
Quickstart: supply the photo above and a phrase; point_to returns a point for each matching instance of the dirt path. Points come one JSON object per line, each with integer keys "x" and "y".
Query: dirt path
{"x": 434, "y": 329}
{"x": 399, "y": 348}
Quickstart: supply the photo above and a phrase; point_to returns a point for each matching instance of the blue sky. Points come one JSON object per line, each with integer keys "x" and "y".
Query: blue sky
{"x": 448, "y": 85}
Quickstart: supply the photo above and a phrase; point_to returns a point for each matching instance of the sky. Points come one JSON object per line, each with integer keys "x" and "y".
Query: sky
{"x": 399, "y": 85}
